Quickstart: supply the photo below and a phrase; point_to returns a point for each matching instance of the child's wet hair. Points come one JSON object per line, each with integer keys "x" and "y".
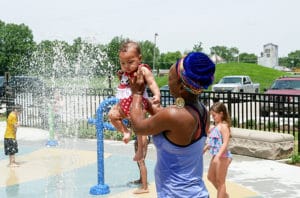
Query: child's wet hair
{"x": 129, "y": 43}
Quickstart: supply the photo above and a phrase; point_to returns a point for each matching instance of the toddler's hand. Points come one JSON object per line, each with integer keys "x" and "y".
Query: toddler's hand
{"x": 155, "y": 100}
{"x": 119, "y": 74}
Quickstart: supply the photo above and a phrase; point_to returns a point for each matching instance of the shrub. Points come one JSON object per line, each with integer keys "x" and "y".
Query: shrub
{"x": 295, "y": 158}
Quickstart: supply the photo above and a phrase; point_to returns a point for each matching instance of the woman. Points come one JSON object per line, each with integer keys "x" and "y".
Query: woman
{"x": 179, "y": 131}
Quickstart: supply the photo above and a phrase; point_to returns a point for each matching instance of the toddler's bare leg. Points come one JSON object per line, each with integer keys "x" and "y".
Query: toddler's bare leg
{"x": 143, "y": 169}
{"x": 139, "y": 153}
{"x": 142, "y": 142}
{"x": 116, "y": 118}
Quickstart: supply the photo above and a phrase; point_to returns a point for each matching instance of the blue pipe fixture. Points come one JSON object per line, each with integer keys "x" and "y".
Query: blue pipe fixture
{"x": 101, "y": 188}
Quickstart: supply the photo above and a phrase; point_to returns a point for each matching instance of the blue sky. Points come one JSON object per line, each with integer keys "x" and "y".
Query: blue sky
{"x": 245, "y": 24}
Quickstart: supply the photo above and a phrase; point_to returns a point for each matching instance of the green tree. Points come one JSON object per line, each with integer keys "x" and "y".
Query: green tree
{"x": 284, "y": 61}
{"x": 147, "y": 48}
{"x": 112, "y": 51}
{"x": 247, "y": 58}
{"x": 169, "y": 58}
{"x": 3, "y": 66}
{"x": 88, "y": 59}
{"x": 229, "y": 54}
{"x": 294, "y": 59}
{"x": 16, "y": 48}
{"x": 51, "y": 59}
{"x": 58, "y": 59}
{"x": 42, "y": 59}
{"x": 234, "y": 53}
{"x": 198, "y": 47}
{"x": 220, "y": 51}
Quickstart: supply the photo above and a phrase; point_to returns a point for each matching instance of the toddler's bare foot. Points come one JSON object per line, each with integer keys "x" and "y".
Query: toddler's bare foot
{"x": 138, "y": 156}
{"x": 140, "y": 191}
{"x": 126, "y": 137}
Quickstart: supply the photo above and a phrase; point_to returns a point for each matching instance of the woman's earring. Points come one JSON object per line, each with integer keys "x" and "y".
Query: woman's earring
{"x": 179, "y": 102}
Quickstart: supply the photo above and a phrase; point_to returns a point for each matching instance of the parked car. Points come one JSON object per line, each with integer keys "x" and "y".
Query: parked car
{"x": 236, "y": 84}
{"x": 282, "y": 97}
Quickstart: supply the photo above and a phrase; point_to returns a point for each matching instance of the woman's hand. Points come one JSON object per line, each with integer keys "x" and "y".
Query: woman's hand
{"x": 137, "y": 83}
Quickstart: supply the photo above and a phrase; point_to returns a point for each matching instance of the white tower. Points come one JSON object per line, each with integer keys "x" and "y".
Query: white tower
{"x": 269, "y": 57}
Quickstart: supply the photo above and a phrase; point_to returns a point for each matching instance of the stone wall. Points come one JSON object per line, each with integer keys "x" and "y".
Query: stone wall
{"x": 261, "y": 144}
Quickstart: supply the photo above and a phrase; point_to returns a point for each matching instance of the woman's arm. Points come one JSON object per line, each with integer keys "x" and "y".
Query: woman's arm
{"x": 178, "y": 124}
{"x": 141, "y": 124}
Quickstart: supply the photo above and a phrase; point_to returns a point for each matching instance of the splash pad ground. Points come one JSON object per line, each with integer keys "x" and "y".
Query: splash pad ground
{"x": 70, "y": 170}
{"x": 67, "y": 170}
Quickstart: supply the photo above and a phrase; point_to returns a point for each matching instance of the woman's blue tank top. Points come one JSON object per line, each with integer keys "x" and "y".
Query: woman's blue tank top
{"x": 179, "y": 169}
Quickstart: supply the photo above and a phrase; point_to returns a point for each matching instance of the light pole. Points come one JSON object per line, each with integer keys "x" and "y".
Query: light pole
{"x": 155, "y": 35}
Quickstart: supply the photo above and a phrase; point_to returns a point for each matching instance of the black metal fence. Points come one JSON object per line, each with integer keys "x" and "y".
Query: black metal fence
{"x": 266, "y": 112}
{"x": 72, "y": 106}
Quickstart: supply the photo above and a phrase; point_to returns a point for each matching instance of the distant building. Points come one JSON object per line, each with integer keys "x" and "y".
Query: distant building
{"x": 269, "y": 57}
{"x": 217, "y": 59}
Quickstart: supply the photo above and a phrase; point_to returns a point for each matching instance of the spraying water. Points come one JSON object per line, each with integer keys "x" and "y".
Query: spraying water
{"x": 70, "y": 91}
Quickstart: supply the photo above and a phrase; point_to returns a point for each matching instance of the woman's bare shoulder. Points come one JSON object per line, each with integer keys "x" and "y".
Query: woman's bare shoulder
{"x": 172, "y": 113}
{"x": 164, "y": 120}
{"x": 168, "y": 111}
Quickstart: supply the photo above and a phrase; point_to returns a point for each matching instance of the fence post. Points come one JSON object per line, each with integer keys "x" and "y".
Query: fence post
{"x": 229, "y": 98}
{"x": 101, "y": 188}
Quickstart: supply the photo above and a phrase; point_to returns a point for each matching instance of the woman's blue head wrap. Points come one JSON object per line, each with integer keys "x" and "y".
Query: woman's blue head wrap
{"x": 196, "y": 70}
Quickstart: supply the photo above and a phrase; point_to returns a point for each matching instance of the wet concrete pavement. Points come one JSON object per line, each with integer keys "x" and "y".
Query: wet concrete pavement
{"x": 70, "y": 170}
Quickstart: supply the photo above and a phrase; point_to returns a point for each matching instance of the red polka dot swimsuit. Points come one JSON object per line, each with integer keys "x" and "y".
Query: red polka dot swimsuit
{"x": 124, "y": 93}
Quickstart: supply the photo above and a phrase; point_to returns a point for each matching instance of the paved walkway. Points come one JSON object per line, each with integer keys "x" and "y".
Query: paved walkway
{"x": 70, "y": 170}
